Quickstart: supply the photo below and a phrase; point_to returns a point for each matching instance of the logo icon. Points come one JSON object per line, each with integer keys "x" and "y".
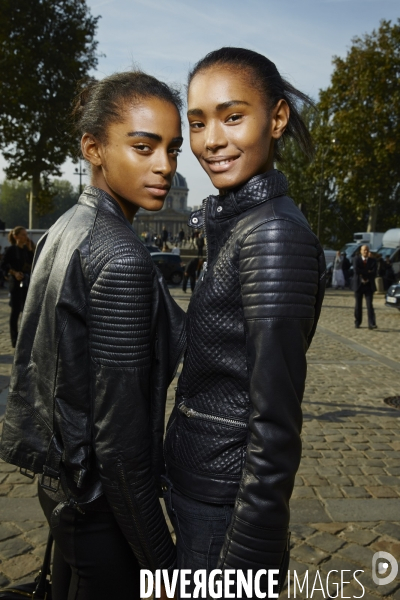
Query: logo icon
{"x": 381, "y": 561}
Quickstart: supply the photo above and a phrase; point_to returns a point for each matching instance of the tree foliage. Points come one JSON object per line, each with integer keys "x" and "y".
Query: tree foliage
{"x": 360, "y": 110}
{"x": 46, "y": 48}
{"x": 354, "y": 180}
{"x": 14, "y": 197}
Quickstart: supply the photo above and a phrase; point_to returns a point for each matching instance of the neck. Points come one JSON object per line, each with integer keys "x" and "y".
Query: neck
{"x": 20, "y": 244}
{"x": 98, "y": 180}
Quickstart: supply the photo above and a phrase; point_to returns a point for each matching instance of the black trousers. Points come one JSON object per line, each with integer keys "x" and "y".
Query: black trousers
{"x": 192, "y": 279}
{"x": 17, "y": 301}
{"x": 92, "y": 559}
{"x": 364, "y": 290}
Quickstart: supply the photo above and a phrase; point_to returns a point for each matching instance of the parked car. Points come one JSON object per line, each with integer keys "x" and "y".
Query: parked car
{"x": 170, "y": 266}
{"x": 393, "y": 296}
{"x": 391, "y": 248}
{"x": 152, "y": 248}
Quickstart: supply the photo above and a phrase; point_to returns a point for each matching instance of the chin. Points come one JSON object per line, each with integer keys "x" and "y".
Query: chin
{"x": 154, "y": 206}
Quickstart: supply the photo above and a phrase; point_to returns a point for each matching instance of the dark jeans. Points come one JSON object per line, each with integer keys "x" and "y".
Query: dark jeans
{"x": 17, "y": 301}
{"x": 364, "y": 290}
{"x": 92, "y": 559}
{"x": 199, "y": 528}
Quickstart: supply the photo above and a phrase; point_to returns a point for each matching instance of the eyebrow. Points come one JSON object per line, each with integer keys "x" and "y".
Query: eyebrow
{"x": 153, "y": 136}
{"x": 197, "y": 112}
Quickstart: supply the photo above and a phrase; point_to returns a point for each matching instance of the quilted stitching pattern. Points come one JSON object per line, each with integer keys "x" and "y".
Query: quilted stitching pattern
{"x": 121, "y": 314}
{"x": 262, "y": 264}
{"x": 279, "y": 272}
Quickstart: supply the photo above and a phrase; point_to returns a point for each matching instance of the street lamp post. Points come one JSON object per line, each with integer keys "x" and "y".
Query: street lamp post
{"x": 80, "y": 172}
{"x": 324, "y": 154}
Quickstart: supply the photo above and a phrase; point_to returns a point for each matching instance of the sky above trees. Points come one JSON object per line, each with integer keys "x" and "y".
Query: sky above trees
{"x": 167, "y": 38}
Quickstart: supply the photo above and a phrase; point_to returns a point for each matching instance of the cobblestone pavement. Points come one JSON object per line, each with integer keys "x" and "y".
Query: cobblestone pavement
{"x": 346, "y": 502}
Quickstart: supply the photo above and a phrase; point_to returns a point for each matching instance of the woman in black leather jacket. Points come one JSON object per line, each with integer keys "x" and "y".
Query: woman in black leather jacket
{"x": 17, "y": 264}
{"x": 98, "y": 346}
{"x": 233, "y": 441}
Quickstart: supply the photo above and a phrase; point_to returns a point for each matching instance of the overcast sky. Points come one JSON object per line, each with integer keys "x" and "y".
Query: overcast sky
{"x": 166, "y": 37}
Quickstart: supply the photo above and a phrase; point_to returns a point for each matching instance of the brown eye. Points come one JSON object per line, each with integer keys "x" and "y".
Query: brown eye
{"x": 233, "y": 118}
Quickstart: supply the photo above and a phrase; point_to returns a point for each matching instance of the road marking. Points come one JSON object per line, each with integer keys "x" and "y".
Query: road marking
{"x": 384, "y": 360}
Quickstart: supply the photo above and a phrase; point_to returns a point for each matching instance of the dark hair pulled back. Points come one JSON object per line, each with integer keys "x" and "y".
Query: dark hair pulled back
{"x": 16, "y": 231}
{"x": 265, "y": 77}
{"x": 103, "y": 102}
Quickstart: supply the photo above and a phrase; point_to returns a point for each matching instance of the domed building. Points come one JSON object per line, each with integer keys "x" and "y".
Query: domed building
{"x": 173, "y": 215}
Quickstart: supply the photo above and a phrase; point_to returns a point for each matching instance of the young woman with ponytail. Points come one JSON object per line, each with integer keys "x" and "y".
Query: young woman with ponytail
{"x": 233, "y": 441}
{"x": 99, "y": 343}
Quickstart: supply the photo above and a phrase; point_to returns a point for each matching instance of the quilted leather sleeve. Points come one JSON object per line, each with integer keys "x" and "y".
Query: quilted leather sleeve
{"x": 121, "y": 351}
{"x": 279, "y": 275}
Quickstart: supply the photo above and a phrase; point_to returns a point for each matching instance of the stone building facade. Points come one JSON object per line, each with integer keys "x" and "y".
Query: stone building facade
{"x": 174, "y": 214}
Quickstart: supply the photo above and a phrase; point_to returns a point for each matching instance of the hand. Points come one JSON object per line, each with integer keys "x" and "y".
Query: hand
{"x": 18, "y": 275}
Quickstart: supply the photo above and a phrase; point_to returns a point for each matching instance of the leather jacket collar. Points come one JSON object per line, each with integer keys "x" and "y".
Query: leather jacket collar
{"x": 257, "y": 190}
{"x": 97, "y": 198}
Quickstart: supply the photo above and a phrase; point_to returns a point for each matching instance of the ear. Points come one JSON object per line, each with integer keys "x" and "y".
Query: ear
{"x": 280, "y": 118}
{"x": 91, "y": 150}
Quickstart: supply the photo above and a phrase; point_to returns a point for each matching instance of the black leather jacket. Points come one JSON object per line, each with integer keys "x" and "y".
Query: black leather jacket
{"x": 234, "y": 435}
{"x": 99, "y": 342}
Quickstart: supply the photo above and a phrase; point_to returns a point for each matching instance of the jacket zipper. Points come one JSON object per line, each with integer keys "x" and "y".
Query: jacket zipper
{"x": 128, "y": 500}
{"x": 205, "y": 265}
{"x": 190, "y": 412}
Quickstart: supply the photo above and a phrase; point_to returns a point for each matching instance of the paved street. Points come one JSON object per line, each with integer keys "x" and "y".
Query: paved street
{"x": 346, "y": 503}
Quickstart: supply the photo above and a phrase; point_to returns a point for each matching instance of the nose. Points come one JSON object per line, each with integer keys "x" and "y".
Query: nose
{"x": 214, "y": 136}
{"x": 162, "y": 163}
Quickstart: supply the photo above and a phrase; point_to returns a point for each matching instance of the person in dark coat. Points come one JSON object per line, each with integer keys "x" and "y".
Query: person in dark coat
{"x": 346, "y": 269}
{"x": 364, "y": 285}
{"x": 388, "y": 274}
{"x": 191, "y": 273}
{"x": 17, "y": 265}
{"x": 164, "y": 236}
{"x": 200, "y": 244}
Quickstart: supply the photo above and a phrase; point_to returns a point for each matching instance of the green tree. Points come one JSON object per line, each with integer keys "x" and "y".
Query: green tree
{"x": 46, "y": 48}
{"x": 360, "y": 110}
{"x": 14, "y": 197}
{"x": 14, "y": 203}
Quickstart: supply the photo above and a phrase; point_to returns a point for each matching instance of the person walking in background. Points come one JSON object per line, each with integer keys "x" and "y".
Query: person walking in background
{"x": 364, "y": 285}
{"x": 181, "y": 237}
{"x": 346, "y": 266}
{"x": 389, "y": 276}
{"x": 200, "y": 244}
{"x": 164, "y": 236}
{"x": 192, "y": 272}
{"x": 17, "y": 265}
{"x": 338, "y": 281}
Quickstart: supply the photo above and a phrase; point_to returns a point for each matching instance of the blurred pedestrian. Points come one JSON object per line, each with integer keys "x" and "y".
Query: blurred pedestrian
{"x": 164, "y": 236}
{"x": 17, "y": 265}
{"x": 200, "y": 244}
{"x": 364, "y": 285}
{"x": 192, "y": 272}
{"x": 181, "y": 236}
{"x": 389, "y": 277}
{"x": 346, "y": 268}
{"x": 338, "y": 281}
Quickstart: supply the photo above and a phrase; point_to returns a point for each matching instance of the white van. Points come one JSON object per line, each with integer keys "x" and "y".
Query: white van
{"x": 372, "y": 238}
{"x": 391, "y": 248}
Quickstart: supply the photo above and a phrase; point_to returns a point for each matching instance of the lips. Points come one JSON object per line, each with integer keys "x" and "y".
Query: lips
{"x": 220, "y": 164}
{"x": 158, "y": 189}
